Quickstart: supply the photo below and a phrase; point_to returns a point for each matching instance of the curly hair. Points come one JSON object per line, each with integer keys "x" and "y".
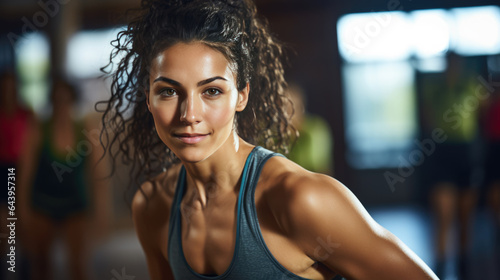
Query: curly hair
{"x": 231, "y": 27}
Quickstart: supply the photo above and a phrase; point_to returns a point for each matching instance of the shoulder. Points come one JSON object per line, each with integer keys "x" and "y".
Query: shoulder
{"x": 152, "y": 201}
{"x": 300, "y": 199}
{"x": 155, "y": 192}
{"x": 151, "y": 212}
{"x": 320, "y": 215}
{"x": 328, "y": 223}
{"x": 298, "y": 184}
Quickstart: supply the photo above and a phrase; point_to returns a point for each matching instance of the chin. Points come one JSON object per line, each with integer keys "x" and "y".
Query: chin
{"x": 195, "y": 153}
{"x": 191, "y": 154}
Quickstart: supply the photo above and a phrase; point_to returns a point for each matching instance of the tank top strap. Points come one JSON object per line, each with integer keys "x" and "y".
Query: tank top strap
{"x": 176, "y": 203}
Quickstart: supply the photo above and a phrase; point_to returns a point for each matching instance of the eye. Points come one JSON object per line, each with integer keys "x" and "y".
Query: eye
{"x": 212, "y": 92}
{"x": 168, "y": 92}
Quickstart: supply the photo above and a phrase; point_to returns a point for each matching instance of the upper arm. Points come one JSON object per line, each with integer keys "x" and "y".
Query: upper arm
{"x": 149, "y": 231}
{"x": 332, "y": 227}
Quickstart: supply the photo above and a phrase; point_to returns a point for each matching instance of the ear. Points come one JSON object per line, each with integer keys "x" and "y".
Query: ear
{"x": 146, "y": 93}
{"x": 243, "y": 98}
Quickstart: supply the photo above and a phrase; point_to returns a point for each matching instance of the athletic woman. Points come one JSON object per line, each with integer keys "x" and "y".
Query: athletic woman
{"x": 200, "y": 85}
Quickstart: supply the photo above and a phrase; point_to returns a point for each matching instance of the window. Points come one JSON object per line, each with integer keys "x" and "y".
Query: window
{"x": 33, "y": 64}
{"x": 381, "y": 53}
{"x": 477, "y": 30}
{"x": 88, "y": 51}
{"x": 380, "y": 112}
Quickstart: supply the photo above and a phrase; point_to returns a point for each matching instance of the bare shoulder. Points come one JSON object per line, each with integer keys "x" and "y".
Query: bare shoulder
{"x": 151, "y": 213}
{"x": 326, "y": 220}
{"x": 293, "y": 182}
{"x": 152, "y": 201}
{"x": 300, "y": 198}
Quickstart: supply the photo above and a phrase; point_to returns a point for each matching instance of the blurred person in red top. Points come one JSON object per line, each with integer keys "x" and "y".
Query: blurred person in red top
{"x": 14, "y": 122}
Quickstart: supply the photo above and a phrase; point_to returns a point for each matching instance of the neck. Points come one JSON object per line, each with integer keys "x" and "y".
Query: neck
{"x": 218, "y": 174}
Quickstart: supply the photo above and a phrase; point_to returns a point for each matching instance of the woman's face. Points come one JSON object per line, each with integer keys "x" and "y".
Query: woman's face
{"x": 193, "y": 99}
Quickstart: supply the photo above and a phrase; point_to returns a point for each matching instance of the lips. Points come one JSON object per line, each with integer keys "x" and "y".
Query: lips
{"x": 190, "y": 138}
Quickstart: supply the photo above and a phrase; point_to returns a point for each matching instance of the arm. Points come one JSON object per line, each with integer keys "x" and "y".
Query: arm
{"x": 332, "y": 227}
{"x": 150, "y": 231}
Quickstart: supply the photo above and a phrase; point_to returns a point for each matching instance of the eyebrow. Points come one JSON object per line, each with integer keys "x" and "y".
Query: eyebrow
{"x": 200, "y": 83}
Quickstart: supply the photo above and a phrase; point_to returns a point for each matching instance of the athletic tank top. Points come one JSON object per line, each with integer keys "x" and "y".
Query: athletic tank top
{"x": 251, "y": 259}
{"x": 60, "y": 185}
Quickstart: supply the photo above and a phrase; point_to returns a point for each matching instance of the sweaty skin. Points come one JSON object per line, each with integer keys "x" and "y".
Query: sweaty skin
{"x": 311, "y": 223}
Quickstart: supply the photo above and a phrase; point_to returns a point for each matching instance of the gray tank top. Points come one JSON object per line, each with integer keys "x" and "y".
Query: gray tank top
{"x": 251, "y": 259}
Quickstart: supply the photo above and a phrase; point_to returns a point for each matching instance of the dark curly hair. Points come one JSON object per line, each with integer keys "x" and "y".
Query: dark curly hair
{"x": 229, "y": 26}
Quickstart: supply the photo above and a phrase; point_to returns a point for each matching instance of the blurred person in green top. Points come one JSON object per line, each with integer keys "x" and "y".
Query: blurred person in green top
{"x": 314, "y": 145}
{"x": 63, "y": 186}
{"x": 450, "y": 104}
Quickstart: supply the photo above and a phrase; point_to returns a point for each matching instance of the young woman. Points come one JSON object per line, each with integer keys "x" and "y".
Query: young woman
{"x": 15, "y": 121}
{"x": 59, "y": 185}
{"x": 201, "y": 83}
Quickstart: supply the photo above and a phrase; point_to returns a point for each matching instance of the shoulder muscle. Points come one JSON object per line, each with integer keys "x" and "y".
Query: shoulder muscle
{"x": 331, "y": 226}
{"x": 151, "y": 212}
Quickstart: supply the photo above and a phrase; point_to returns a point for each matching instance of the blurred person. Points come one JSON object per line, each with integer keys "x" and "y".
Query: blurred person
{"x": 313, "y": 147}
{"x": 450, "y": 168}
{"x": 15, "y": 120}
{"x": 491, "y": 133}
{"x": 59, "y": 166}
{"x": 204, "y": 86}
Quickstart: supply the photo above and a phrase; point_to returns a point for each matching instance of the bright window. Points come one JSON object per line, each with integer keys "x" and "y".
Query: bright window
{"x": 431, "y": 32}
{"x": 380, "y": 112}
{"x": 477, "y": 30}
{"x": 88, "y": 51}
{"x": 374, "y": 37}
{"x": 381, "y": 52}
{"x": 33, "y": 63}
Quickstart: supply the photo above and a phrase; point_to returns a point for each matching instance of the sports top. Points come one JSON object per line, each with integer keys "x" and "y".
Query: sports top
{"x": 60, "y": 185}
{"x": 251, "y": 259}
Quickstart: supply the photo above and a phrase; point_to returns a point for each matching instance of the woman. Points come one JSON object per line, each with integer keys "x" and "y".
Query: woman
{"x": 57, "y": 167}
{"x": 14, "y": 123}
{"x": 200, "y": 84}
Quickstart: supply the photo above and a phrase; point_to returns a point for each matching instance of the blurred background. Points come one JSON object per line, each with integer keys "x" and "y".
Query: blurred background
{"x": 404, "y": 94}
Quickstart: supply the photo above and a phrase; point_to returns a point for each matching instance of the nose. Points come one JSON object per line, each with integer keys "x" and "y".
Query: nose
{"x": 191, "y": 109}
